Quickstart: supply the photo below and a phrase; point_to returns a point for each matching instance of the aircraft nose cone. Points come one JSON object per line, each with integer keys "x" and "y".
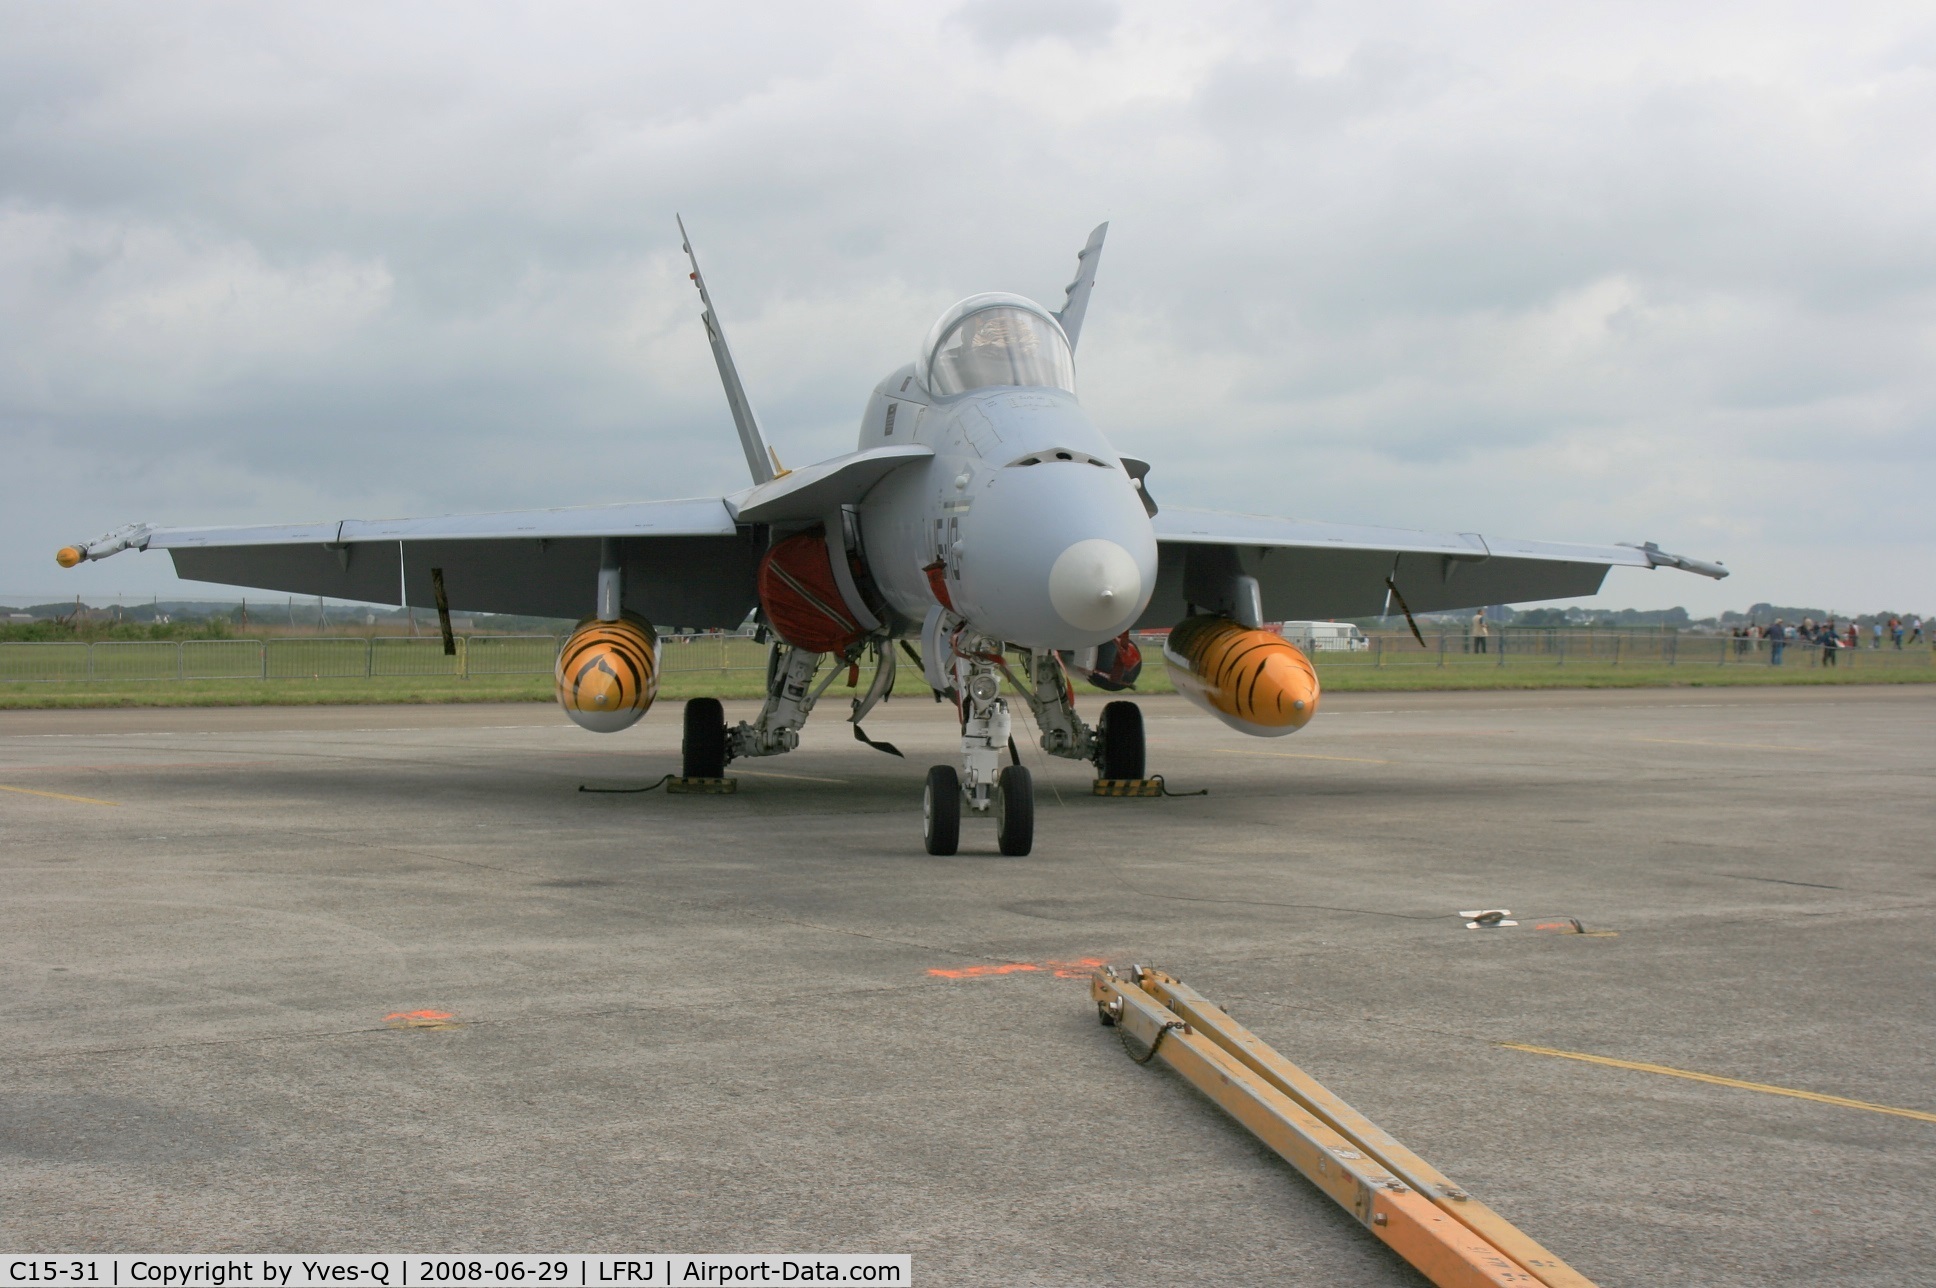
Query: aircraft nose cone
{"x": 1095, "y": 585}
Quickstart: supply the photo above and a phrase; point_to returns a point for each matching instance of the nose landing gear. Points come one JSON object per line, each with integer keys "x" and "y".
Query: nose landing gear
{"x": 1115, "y": 744}
{"x": 983, "y": 783}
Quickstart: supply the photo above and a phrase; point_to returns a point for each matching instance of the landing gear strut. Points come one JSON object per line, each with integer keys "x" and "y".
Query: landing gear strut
{"x": 1115, "y": 745}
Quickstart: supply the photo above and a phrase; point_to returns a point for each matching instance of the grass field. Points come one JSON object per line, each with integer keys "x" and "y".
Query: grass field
{"x": 1355, "y": 674}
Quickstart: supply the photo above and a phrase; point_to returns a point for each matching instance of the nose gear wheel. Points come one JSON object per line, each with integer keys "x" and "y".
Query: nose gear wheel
{"x": 1014, "y": 811}
{"x": 941, "y": 811}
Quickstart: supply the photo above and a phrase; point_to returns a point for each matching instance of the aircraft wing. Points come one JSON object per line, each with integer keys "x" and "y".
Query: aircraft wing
{"x": 693, "y": 562}
{"x": 1318, "y": 570}
{"x": 686, "y": 563}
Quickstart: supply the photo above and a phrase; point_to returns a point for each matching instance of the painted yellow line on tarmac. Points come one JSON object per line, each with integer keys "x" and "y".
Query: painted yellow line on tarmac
{"x": 805, "y": 778}
{"x": 1733, "y": 746}
{"x": 1302, "y": 755}
{"x": 59, "y": 796}
{"x": 1719, "y": 1081}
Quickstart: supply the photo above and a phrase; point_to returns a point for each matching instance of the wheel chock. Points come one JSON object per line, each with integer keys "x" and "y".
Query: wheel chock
{"x": 1129, "y": 787}
{"x": 1447, "y": 1235}
{"x": 702, "y": 786}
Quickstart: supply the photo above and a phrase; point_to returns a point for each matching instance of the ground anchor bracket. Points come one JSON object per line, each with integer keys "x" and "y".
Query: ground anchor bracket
{"x": 1139, "y": 787}
{"x": 702, "y": 786}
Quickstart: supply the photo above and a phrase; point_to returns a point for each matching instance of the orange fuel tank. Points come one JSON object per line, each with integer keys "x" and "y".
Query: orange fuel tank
{"x": 608, "y": 673}
{"x": 1253, "y": 680}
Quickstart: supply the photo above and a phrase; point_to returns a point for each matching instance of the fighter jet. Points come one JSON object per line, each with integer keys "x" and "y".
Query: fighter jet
{"x": 984, "y": 528}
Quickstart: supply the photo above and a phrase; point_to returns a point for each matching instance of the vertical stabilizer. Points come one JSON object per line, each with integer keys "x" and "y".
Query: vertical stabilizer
{"x": 1078, "y": 302}
{"x": 759, "y": 457}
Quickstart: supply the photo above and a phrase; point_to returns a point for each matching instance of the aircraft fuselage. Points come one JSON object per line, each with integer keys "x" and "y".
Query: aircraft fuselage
{"x": 1024, "y": 522}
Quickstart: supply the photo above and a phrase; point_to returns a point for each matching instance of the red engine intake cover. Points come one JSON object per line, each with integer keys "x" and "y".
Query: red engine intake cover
{"x": 801, "y": 599}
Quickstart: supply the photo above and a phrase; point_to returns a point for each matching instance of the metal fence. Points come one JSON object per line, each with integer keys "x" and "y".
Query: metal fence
{"x": 339, "y": 658}
{"x": 362, "y": 657}
{"x": 1539, "y": 647}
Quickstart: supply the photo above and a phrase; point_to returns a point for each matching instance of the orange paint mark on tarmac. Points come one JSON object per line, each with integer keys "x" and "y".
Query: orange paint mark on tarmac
{"x": 1078, "y": 969}
{"x": 421, "y": 1020}
{"x": 976, "y": 972}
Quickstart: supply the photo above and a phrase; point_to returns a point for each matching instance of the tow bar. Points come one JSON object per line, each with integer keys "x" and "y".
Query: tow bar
{"x": 1447, "y": 1235}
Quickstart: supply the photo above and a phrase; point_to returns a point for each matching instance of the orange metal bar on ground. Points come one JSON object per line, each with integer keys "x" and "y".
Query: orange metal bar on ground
{"x": 1451, "y": 1238}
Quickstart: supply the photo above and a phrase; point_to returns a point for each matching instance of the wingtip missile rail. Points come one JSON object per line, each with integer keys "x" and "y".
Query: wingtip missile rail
{"x": 132, "y": 537}
{"x": 1658, "y": 558}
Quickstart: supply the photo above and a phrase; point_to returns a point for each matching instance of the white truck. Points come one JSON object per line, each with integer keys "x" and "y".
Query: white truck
{"x": 1325, "y": 637}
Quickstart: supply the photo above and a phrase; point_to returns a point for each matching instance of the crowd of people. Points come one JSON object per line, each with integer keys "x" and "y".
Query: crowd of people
{"x": 1826, "y": 636}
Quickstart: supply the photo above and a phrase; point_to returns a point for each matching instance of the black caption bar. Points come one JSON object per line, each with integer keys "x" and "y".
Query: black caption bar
{"x": 576, "y": 1270}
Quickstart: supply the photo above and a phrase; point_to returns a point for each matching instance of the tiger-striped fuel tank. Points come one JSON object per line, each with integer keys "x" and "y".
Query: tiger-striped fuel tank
{"x": 1253, "y": 680}
{"x": 608, "y": 673}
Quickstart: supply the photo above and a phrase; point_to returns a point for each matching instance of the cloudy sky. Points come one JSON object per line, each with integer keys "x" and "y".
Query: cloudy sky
{"x": 1595, "y": 273}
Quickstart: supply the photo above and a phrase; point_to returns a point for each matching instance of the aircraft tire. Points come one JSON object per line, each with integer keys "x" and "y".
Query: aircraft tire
{"x": 703, "y": 746}
{"x": 941, "y": 811}
{"x": 1120, "y": 734}
{"x": 1015, "y": 811}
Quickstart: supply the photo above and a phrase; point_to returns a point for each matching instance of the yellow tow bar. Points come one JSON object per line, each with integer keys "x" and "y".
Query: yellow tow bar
{"x": 1447, "y": 1235}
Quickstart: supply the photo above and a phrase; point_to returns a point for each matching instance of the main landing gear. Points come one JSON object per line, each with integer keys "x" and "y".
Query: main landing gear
{"x": 1119, "y": 742}
{"x": 708, "y": 745}
{"x": 1114, "y": 745}
{"x": 703, "y": 747}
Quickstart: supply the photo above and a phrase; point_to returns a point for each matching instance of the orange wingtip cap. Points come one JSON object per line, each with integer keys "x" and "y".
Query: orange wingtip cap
{"x": 68, "y": 556}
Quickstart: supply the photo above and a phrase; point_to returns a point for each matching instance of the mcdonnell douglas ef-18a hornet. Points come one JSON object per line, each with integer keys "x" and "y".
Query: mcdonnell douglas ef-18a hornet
{"x": 985, "y": 528}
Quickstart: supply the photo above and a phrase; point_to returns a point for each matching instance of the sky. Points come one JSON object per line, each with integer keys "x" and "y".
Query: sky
{"x": 1577, "y": 273}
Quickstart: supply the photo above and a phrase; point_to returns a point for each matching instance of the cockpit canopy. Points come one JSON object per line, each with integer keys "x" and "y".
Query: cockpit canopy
{"x": 997, "y": 339}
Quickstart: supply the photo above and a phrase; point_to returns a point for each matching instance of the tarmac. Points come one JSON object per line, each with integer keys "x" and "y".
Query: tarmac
{"x": 382, "y": 979}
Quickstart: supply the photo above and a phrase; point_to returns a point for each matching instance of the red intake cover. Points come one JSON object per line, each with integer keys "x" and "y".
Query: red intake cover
{"x": 801, "y": 599}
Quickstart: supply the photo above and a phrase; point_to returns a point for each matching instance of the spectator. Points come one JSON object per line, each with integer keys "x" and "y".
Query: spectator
{"x": 1829, "y": 643}
{"x": 1877, "y": 642}
{"x": 1855, "y": 636}
{"x": 1915, "y": 629}
{"x": 1895, "y": 630}
{"x": 1479, "y": 632}
{"x": 1777, "y": 641}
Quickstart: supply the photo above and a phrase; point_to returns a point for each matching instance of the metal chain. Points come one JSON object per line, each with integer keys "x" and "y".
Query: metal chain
{"x": 1147, "y": 1056}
